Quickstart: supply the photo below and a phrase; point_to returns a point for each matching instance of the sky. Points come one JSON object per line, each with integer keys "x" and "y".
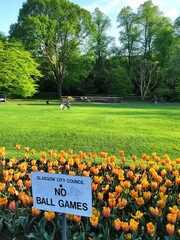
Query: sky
{"x": 9, "y": 10}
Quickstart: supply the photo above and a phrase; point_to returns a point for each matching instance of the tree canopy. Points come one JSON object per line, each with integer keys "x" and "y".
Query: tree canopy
{"x": 19, "y": 72}
{"x": 55, "y": 30}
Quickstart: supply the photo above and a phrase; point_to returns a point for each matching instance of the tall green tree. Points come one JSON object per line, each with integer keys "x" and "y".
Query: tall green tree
{"x": 154, "y": 46}
{"x": 55, "y": 30}
{"x": 100, "y": 45}
{"x": 129, "y": 33}
{"x": 18, "y": 73}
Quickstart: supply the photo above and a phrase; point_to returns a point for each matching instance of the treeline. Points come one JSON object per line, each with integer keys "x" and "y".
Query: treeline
{"x": 75, "y": 56}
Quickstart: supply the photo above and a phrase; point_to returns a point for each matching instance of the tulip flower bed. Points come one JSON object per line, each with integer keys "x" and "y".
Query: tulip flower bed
{"x": 136, "y": 201}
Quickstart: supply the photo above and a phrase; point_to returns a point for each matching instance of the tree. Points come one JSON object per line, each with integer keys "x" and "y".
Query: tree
{"x": 146, "y": 38}
{"x": 118, "y": 82}
{"x": 19, "y": 73}
{"x": 129, "y": 34}
{"x": 146, "y": 74}
{"x": 55, "y": 30}
{"x": 100, "y": 46}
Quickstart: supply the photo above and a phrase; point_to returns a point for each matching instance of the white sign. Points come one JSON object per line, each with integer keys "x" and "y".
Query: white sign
{"x": 62, "y": 193}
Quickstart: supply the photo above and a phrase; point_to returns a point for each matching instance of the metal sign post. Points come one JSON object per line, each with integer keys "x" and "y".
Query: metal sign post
{"x": 64, "y": 225}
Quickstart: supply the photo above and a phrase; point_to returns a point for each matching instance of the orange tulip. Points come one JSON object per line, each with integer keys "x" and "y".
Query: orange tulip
{"x": 115, "y": 171}
{"x": 154, "y": 211}
{"x": 147, "y": 195}
{"x": 134, "y": 157}
{"x": 86, "y": 173}
{"x": 138, "y": 187}
{"x": 28, "y": 183}
{"x": 147, "y": 158}
{"x": 18, "y": 147}
{"x": 138, "y": 215}
{"x": 140, "y": 201}
{"x": 112, "y": 202}
{"x": 162, "y": 189}
{"x": 123, "y": 159}
{"x": 177, "y": 180}
{"x": 11, "y": 171}
{"x": 12, "y": 206}
{"x": 8, "y": 178}
{"x": 118, "y": 189}
{"x": 143, "y": 167}
{"x": 33, "y": 151}
{"x": 20, "y": 195}
{"x": 132, "y": 166}
{"x": 89, "y": 164}
{"x": 5, "y": 173}
{"x": 106, "y": 188}
{"x": 171, "y": 218}
{"x": 150, "y": 228}
{"x": 154, "y": 185}
{"x": 117, "y": 224}
{"x": 35, "y": 211}
{"x": 104, "y": 165}
{"x": 161, "y": 203}
{"x": 23, "y": 167}
{"x": 100, "y": 196}
{"x": 49, "y": 215}
{"x": 108, "y": 177}
{"x": 34, "y": 168}
{"x": 134, "y": 193}
{"x": 19, "y": 183}
{"x": 25, "y": 199}
{"x": 121, "y": 152}
{"x": 2, "y": 186}
{"x": 103, "y": 154}
{"x": 174, "y": 209}
{"x": 95, "y": 212}
{"x": 94, "y": 186}
{"x": 133, "y": 225}
{"x": 170, "y": 228}
{"x": 168, "y": 183}
{"x": 3, "y": 201}
{"x": 126, "y": 184}
{"x": 169, "y": 168}
{"x": 163, "y": 162}
{"x": 76, "y": 219}
{"x": 130, "y": 174}
{"x": 157, "y": 159}
{"x": 145, "y": 183}
{"x": 94, "y": 156}
{"x": 106, "y": 212}
{"x": 125, "y": 226}
{"x": 94, "y": 220}
{"x": 12, "y": 190}
{"x": 122, "y": 202}
{"x": 98, "y": 179}
{"x": 120, "y": 175}
{"x": 175, "y": 173}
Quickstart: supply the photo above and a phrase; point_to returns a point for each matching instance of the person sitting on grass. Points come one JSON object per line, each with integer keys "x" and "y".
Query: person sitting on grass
{"x": 67, "y": 104}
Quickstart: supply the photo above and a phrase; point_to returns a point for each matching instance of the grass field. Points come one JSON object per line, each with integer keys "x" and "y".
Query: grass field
{"x": 136, "y": 128}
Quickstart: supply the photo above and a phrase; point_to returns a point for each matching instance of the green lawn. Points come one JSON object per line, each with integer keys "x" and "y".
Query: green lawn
{"x": 136, "y": 128}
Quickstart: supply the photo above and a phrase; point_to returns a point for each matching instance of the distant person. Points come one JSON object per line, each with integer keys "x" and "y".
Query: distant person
{"x": 47, "y": 102}
{"x": 155, "y": 99}
{"x": 61, "y": 106}
{"x": 67, "y": 104}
